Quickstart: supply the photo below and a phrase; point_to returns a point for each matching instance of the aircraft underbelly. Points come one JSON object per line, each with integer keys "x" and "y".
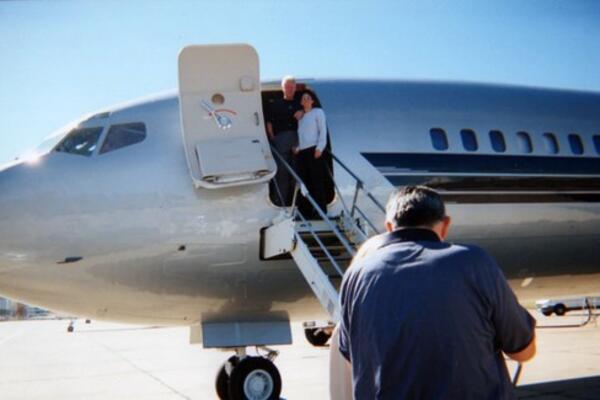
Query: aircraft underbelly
{"x": 201, "y": 262}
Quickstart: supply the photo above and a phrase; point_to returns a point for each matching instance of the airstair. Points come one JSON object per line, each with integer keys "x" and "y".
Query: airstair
{"x": 322, "y": 249}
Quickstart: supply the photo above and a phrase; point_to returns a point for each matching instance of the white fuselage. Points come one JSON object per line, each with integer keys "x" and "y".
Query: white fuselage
{"x": 151, "y": 248}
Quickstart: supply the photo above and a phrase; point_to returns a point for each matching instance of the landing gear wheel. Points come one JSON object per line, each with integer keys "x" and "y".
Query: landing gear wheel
{"x": 560, "y": 309}
{"x": 254, "y": 378}
{"x": 222, "y": 379}
{"x": 317, "y": 337}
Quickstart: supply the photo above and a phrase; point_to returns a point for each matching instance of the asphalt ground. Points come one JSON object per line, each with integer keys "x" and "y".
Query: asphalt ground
{"x": 39, "y": 359}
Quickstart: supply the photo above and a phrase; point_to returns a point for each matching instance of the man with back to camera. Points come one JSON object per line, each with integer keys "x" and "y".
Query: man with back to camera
{"x": 427, "y": 319}
{"x": 282, "y": 128}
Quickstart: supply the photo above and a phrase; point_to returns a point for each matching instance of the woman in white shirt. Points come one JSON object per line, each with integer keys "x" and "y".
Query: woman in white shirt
{"x": 312, "y": 168}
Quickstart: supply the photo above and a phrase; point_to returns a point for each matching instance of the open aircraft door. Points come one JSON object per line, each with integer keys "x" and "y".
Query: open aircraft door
{"x": 221, "y": 114}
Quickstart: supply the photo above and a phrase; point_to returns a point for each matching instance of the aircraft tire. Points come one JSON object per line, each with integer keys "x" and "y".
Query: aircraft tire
{"x": 547, "y": 313}
{"x": 222, "y": 378}
{"x": 560, "y": 309}
{"x": 255, "y": 378}
{"x": 317, "y": 337}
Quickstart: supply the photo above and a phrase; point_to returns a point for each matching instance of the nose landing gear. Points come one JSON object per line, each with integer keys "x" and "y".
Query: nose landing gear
{"x": 244, "y": 377}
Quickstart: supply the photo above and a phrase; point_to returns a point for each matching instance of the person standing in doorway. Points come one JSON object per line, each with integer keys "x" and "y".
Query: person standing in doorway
{"x": 282, "y": 128}
{"x": 312, "y": 139}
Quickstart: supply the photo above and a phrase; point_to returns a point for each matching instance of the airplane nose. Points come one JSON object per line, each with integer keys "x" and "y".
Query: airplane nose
{"x": 32, "y": 208}
{"x": 21, "y": 187}
{"x": 6, "y": 173}
{"x": 15, "y": 213}
{"x": 9, "y": 177}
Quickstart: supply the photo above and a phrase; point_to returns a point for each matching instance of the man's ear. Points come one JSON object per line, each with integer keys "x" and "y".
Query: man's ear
{"x": 445, "y": 227}
{"x": 388, "y": 226}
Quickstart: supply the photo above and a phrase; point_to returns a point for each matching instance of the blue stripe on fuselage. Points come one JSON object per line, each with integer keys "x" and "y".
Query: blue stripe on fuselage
{"x": 483, "y": 163}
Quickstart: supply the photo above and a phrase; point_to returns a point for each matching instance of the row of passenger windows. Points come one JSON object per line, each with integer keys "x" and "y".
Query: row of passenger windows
{"x": 84, "y": 141}
{"x": 439, "y": 140}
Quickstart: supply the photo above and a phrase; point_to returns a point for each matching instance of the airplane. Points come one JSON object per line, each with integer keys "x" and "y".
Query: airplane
{"x": 158, "y": 211}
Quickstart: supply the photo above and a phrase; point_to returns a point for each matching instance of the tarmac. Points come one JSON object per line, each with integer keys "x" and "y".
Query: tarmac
{"x": 39, "y": 359}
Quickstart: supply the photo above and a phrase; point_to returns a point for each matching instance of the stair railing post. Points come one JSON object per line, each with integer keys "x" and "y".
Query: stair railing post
{"x": 327, "y": 253}
{"x": 293, "y": 206}
{"x": 355, "y": 198}
{"x": 359, "y": 186}
{"x": 312, "y": 201}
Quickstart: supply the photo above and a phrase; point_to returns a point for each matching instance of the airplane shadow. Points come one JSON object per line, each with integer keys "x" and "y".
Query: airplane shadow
{"x": 580, "y": 388}
{"x": 143, "y": 328}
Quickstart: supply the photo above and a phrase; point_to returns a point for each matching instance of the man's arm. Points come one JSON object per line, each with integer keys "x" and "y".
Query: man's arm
{"x": 526, "y": 354}
{"x": 514, "y": 326}
{"x": 322, "y": 127}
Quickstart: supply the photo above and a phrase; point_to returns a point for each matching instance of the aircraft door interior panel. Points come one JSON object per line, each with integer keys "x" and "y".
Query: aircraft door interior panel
{"x": 222, "y": 118}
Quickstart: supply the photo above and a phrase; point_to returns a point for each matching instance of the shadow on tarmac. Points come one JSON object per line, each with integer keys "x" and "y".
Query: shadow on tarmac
{"x": 580, "y": 388}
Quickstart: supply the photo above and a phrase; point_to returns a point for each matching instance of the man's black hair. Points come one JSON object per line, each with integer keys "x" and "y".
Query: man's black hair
{"x": 415, "y": 206}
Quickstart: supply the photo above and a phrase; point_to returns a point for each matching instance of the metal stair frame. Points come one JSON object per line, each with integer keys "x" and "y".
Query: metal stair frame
{"x": 284, "y": 237}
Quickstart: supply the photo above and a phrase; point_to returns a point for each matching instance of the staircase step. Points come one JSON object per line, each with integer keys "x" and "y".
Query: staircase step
{"x": 334, "y": 247}
{"x": 326, "y": 240}
{"x": 317, "y": 226}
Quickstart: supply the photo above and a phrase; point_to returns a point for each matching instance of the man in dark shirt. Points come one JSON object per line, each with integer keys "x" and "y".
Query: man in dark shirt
{"x": 427, "y": 319}
{"x": 282, "y": 128}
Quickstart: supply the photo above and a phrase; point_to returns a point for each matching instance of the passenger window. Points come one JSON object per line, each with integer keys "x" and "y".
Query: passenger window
{"x": 524, "y": 142}
{"x": 497, "y": 140}
{"x": 469, "y": 140}
{"x": 575, "y": 143}
{"x": 550, "y": 143}
{"x": 597, "y": 143}
{"x": 81, "y": 141}
{"x": 124, "y": 135}
{"x": 439, "y": 139}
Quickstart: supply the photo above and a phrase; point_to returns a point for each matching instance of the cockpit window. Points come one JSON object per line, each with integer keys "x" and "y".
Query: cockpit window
{"x": 120, "y": 136}
{"x": 81, "y": 141}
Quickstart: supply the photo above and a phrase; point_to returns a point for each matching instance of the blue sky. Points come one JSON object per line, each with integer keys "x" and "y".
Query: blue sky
{"x": 62, "y": 59}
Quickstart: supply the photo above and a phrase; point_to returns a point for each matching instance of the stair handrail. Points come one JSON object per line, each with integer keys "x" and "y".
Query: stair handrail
{"x": 349, "y": 248}
{"x": 335, "y": 264}
{"x": 359, "y": 182}
{"x": 359, "y": 185}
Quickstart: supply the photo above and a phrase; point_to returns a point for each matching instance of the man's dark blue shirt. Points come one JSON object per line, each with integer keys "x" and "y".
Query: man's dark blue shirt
{"x": 426, "y": 319}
